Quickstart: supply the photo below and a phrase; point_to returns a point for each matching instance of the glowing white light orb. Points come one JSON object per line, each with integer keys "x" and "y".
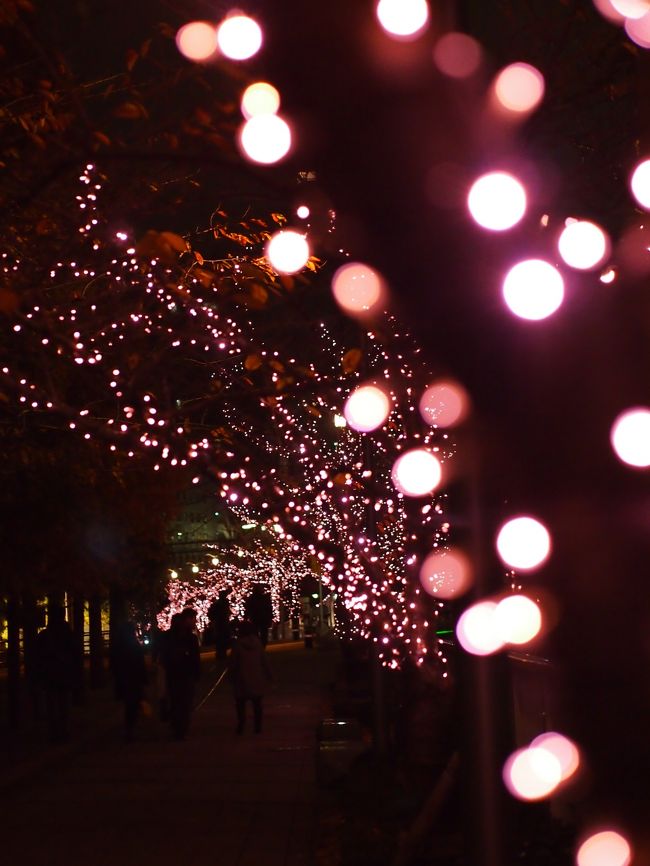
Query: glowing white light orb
{"x": 606, "y": 848}
{"x": 638, "y": 30}
{"x": 417, "y": 472}
{"x": 533, "y": 289}
{"x": 640, "y": 184}
{"x": 444, "y": 404}
{"x": 303, "y": 212}
{"x": 564, "y": 749}
{"x": 288, "y": 251}
{"x": 497, "y": 201}
{"x": 403, "y": 19}
{"x": 366, "y": 408}
{"x": 357, "y": 288}
{"x": 265, "y": 138}
{"x": 523, "y": 543}
{"x": 630, "y": 437}
{"x": 518, "y": 619}
{"x": 239, "y": 37}
{"x": 631, "y": 9}
{"x": 583, "y": 245}
{"x": 477, "y": 630}
{"x": 607, "y": 11}
{"x": 446, "y": 573}
{"x": 457, "y": 55}
{"x": 197, "y": 40}
{"x": 519, "y": 87}
{"x": 259, "y": 98}
{"x": 532, "y": 773}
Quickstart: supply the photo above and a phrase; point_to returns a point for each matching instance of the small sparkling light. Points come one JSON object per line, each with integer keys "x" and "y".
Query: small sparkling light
{"x": 523, "y": 543}
{"x": 259, "y": 98}
{"x": 265, "y": 138}
{"x": 457, "y": 55}
{"x": 519, "y": 87}
{"x": 446, "y": 573}
{"x": 631, "y": 8}
{"x": 239, "y": 37}
{"x": 518, "y": 619}
{"x": 197, "y": 40}
{"x": 476, "y": 629}
{"x": 497, "y": 201}
{"x": 357, "y": 288}
{"x": 564, "y": 749}
{"x": 608, "y": 276}
{"x": 339, "y": 421}
{"x": 638, "y": 30}
{"x": 640, "y": 184}
{"x": 533, "y": 289}
{"x": 532, "y": 773}
{"x": 302, "y": 212}
{"x": 444, "y": 404}
{"x": 583, "y": 245}
{"x": 366, "y": 408}
{"x": 195, "y": 569}
{"x": 417, "y": 472}
{"x": 288, "y": 251}
{"x": 214, "y": 560}
{"x": 403, "y": 19}
{"x": 606, "y": 848}
{"x": 630, "y": 437}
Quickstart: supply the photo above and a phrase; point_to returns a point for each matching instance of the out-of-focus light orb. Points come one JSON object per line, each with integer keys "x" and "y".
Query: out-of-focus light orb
{"x": 631, "y": 9}
{"x": 457, "y": 55}
{"x": 583, "y": 245}
{"x": 302, "y": 212}
{"x": 608, "y": 11}
{"x": 288, "y": 251}
{"x": 404, "y": 19}
{"x": 564, "y": 749}
{"x": 265, "y": 138}
{"x": 497, "y": 201}
{"x": 638, "y": 30}
{"x": 533, "y": 289}
{"x": 477, "y": 630}
{"x": 640, "y": 184}
{"x": 518, "y": 619}
{"x": 608, "y": 276}
{"x": 444, "y": 404}
{"x": 606, "y": 848}
{"x": 239, "y": 37}
{"x": 519, "y": 87}
{"x": 259, "y": 98}
{"x": 357, "y": 288}
{"x": 523, "y": 543}
{"x": 446, "y": 573}
{"x": 417, "y": 472}
{"x": 630, "y": 437}
{"x": 366, "y": 408}
{"x": 197, "y": 40}
{"x": 532, "y": 773}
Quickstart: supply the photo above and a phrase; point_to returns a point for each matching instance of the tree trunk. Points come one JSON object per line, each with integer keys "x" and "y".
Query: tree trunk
{"x": 13, "y": 663}
{"x": 78, "y": 628}
{"x": 30, "y": 622}
{"x": 96, "y": 639}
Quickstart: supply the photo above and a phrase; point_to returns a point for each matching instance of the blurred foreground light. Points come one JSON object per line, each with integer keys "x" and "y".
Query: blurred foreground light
{"x": 366, "y": 408}
{"x": 259, "y": 98}
{"x": 477, "y": 631}
{"x": 197, "y": 40}
{"x": 302, "y": 212}
{"x": 519, "y": 88}
{"x": 630, "y": 437}
{"x": 583, "y": 245}
{"x": 518, "y": 619}
{"x": 417, "y": 472}
{"x": 239, "y": 37}
{"x": 265, "y": 138}
{"x": 357, "y": 288}
{"x": 444, "y": 404}
{"x": 497, "y": 201}
{"x": 532, "y": 773}
{"x": 638, "y": 30}
{"x": 606, "y": 848}
{"x": 523, "y": 543}
{"x": 457, "y": 55}
{"x": 608, "y": 11}
{"x": 288, "y": 251}
{"x": 403, "y": 19}
{"x": 533, "y": 289}
{"x": 608, "y": 276}
{"x": 564, "y": 749}
{"x": 631, "y": 9}
{"x": 640, "y": 184}
{"x": 446, "y": 573}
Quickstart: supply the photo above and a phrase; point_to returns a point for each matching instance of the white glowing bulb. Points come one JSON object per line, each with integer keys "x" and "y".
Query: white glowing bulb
{"x": 443, "y": 404}
{"x": 631, "y": 9}
{"x": 518, "y": 619}
{"x": 583, "y": 245}
{"x": 497, "y": 201}
{"x": 239, "y": 37}
{"x": 532, "y": 773}
{"x": 638, "y": 30}
{"x": 302, "y": 212}
{"x": 367, "y": 408}
{"x": 357, "y": 288}
{"x": 195, "y": 569}
{"x": 265, "y": 138}
{"x": 606, "y": 848}
{"x": 417, "y": 472}
{"x": 197, "y": 40}
{"x": 519, "y": 87}
{"x": 564, "y": 749}
{"x": 630, "y": 437}
{"x": 533, "y": 289}
{"x": 259, "y": 98}
{"x": 523, "y": 543}
{"x": 403, "y": 19}
{"x": 640, "y": 184}
{"x": 288, "y": 251}
{"x": 477, "y": 630}
{"x": 446, "y": 573}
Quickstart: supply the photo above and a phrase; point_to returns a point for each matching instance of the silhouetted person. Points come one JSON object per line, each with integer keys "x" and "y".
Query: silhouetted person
{"x": 250, "y": 675}
{"x": 57, "y": 668}
{"x": 130, "y": 673}
{"x": 181, "y": 660}
{"x": 258, "y": 609}
{"x": 219, "y": 617}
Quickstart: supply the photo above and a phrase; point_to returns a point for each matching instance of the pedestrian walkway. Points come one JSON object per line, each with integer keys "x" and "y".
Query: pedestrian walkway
{"x": 216, "y": 798}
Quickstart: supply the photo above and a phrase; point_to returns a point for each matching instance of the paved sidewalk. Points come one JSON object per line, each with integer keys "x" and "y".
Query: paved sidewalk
{"x": 215, "y": 799}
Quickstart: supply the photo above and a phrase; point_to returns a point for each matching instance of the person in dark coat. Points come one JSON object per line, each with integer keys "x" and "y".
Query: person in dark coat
{"x": 219, "y": 617}
{"x": 181, "y": 661}
{"x": 130, "y": 673}
{"x": 57, "y": 667}
{"x": 249, "y": 674}
{"x": 258, "y": 609}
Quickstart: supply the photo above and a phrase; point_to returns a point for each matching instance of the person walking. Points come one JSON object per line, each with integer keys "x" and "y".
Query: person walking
{"x": 56, "y": 671}
{"x": 250, "y": 675}
{"x": 219, "y": 618}
{"x": 258, "y": 609}
{"x": 130, "y": 674}
{"x": 181, "y": 661}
